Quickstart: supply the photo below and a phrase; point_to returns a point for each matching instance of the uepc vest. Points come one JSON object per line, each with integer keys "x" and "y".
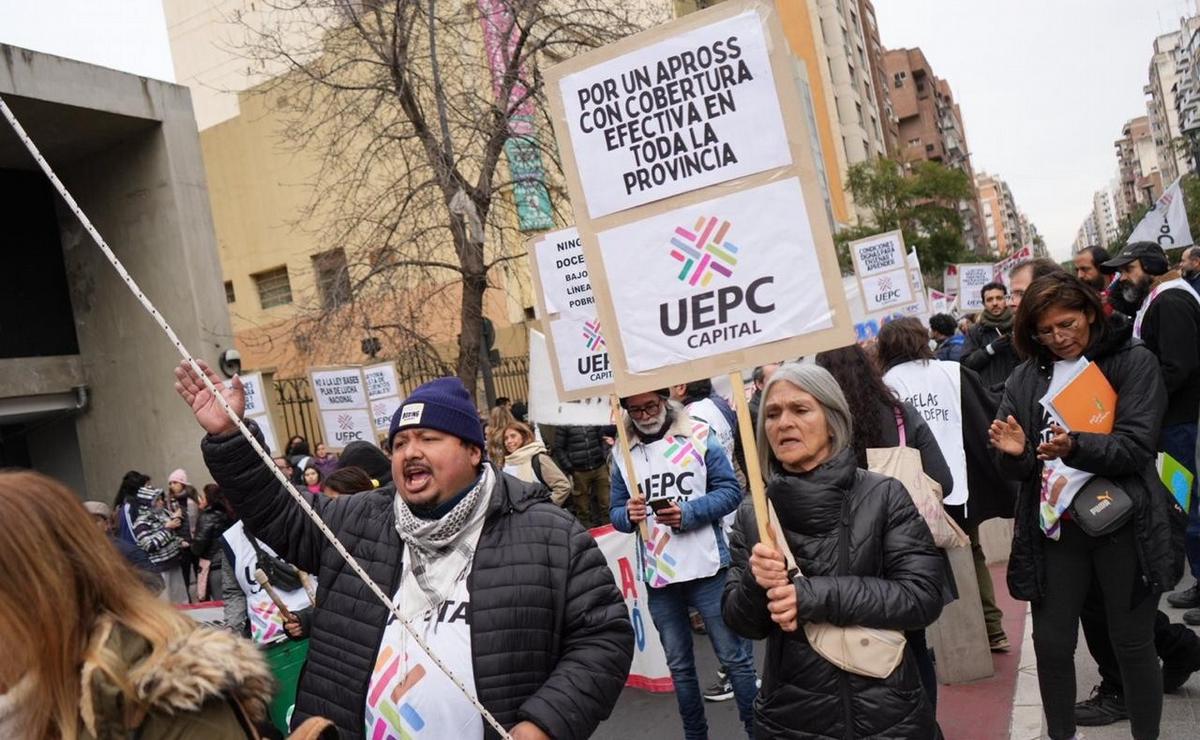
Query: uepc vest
{"x": 673, "y": 468}
{"x": 266, "y": 624}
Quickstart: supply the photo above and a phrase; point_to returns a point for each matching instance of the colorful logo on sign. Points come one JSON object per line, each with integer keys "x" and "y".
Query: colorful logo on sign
{"x": 593, "y": 337}
{"x": 345, "y": 421}
{"x": 704, "y": 250}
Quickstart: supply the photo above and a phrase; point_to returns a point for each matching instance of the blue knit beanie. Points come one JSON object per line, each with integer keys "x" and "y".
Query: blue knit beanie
{"x": 442, "y": 404}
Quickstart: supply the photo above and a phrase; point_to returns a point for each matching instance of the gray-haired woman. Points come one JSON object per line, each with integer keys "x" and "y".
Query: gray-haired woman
{"x": 866, "y": 558}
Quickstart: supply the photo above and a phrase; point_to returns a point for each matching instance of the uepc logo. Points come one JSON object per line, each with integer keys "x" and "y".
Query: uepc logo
{"x": 705, "y": 251}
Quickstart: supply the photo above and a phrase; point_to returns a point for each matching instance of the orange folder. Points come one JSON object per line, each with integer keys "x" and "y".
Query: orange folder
{"x": 1088, "y": 403}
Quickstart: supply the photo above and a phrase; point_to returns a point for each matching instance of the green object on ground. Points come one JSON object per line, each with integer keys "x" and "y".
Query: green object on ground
{"x": 286, "y": 660}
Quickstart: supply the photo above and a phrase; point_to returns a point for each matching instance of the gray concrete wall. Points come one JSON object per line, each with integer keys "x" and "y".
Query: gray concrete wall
{"x": 146, "y": 194}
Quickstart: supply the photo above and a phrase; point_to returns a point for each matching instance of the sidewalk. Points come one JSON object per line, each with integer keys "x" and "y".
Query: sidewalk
{"x": 1181, "y": 710}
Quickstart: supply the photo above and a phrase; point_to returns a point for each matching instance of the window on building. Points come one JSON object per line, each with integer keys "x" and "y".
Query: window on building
{"x": 333, "y": 278}
{"x": 274, "y": 289}
{"x": 858, "y": 111}
{"x": 229, "y": 296}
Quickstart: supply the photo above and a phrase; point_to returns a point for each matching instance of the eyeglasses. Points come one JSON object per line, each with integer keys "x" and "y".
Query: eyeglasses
{"x": 1066, "y": 329}
{"x": 649, "y": 409}
{"x": 1014, "y": 297}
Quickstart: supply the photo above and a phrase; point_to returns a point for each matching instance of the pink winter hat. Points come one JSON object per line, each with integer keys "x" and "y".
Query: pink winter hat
{"x": 179, "y": 475}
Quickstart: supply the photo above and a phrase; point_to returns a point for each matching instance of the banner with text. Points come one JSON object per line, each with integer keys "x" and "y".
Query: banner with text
{"x": 688, "y": 157}
{"x": 718, "y": 276}
{"x": 342, "y": 405}
{"x": 383, "y": 393}
{"x": 694, "y": 109}
{"x": 649, "y": 670}
{"x": 545, "y": 407}
{"x": 1167, "y": 223}
{"x": 258, "y": 409}
{"x": 1002, "y": 268}
{"x": 881, "y": 267}
{"x": 567, "y": 309}
{"x": 971, "y": 279}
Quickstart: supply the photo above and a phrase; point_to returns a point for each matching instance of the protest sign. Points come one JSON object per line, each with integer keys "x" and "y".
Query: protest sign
{"x": 703, "y": 272}
{"x": 881, "y": 267}
{"x": 938, "y": 302}
{"x": 950, "y": 279}
{"x": 971, "y": 279}
{"x": 649, "y": 670}
{"x": 563, "y": 274}
{"x": 567, "y": 309}
{"x": 258, "y": 408}
{"x": 683, "y": 109}
{"x": 342, "y": 405}
{"x": 917, "y": 278}
{"x": 545, "y": 407}
{"x": 383, "y": 393}
{"x": 1002, "y": 268}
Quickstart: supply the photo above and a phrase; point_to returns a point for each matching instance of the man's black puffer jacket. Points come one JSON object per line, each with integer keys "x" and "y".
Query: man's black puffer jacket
{"x": 1125, "y": 456}
{"x": 550, "y": 634}
{"x": 581, "y": 448}
{"x": 893, "y": 581}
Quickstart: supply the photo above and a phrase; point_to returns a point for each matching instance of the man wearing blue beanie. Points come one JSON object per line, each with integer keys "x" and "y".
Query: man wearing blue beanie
{"x": 509, "y": 591}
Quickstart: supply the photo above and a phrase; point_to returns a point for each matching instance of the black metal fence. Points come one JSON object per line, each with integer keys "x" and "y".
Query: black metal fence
{"x": 294, "y": 397}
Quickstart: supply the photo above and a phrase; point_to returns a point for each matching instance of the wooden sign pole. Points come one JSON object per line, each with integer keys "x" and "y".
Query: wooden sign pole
{"x": 758, "y": 490}
{"x": 635, "y": 492}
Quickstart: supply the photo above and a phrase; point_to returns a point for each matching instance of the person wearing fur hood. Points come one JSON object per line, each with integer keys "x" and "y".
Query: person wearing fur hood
{"x": 90, "y": 654}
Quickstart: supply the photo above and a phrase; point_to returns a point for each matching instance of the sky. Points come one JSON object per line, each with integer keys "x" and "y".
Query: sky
{"x": 128, "y": 35}
{"x": 1044, "y": 87}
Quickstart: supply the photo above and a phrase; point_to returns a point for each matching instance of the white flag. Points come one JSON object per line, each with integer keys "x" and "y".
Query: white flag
{"x": 1166, "y": 224}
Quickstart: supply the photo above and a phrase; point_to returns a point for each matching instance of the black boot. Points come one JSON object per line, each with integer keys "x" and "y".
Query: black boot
{"x": 1103, "y": 708}
{"x": 1186, "y": 599}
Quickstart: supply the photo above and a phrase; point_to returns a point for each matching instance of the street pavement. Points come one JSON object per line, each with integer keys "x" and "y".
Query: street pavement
{"x": 1006, "y": 706}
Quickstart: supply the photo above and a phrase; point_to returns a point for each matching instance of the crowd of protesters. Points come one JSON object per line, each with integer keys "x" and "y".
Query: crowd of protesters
{"x": 503, "y": 609}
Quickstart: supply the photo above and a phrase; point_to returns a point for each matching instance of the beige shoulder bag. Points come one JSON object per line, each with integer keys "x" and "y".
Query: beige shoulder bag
{"x": 865, "y": 651}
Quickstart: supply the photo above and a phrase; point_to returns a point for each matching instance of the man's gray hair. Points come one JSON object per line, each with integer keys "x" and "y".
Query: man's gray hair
{"x": 821, "y": 385}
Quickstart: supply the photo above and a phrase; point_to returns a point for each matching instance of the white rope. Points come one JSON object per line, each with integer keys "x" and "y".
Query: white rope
{"x": 187, "y": 356}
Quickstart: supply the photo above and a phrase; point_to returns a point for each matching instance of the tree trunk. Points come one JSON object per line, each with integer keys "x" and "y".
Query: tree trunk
{"x": 474, "y": 284}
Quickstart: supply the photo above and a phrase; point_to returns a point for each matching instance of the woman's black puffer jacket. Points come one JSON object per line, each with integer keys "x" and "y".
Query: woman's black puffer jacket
{"x": 1125, "y": 456}
{"x": 867, "y": 559}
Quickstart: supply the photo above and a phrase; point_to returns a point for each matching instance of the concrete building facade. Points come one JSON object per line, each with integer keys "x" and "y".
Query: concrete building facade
{"x": 1001, "y": 219}
{"x": 931, "y": 128}
{"x": 1141, "y": 181}
{"x": 86, "y": 384}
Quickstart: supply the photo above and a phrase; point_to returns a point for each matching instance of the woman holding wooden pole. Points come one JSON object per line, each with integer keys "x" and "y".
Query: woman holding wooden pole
{"x": 865, "y": 559}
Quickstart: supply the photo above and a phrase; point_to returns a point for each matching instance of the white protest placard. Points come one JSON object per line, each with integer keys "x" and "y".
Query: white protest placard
{"x": 938, "y": 302}
{"x": 950, "y": 279}
{"x": 383, "y": 394}
{"x": 545, "y": 407}
{"x": 918, "y": 282}
{"x": 971, "y": 279}
{"x": 341, "y": 397}
{"x": 258, "y": 409}
{"x": 719, "y": 269}
{"x": 715, "y": 277}
{"x": 566, "y": 288}
{"x": 881, "y": 267}
{"x": 578, "y": 349}
{"x": 693, "y": 109}
{"x": 649, "y": 670}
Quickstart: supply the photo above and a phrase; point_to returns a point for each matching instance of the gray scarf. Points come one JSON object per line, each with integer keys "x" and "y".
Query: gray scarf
{"x": 439, "y": 552}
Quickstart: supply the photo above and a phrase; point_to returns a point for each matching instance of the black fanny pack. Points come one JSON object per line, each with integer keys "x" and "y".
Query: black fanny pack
{"x": 283, "y": 575}
{"x": 1101, "y": 507}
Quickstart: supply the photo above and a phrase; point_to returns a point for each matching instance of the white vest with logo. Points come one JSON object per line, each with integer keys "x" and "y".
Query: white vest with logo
{"x": 708, "y": 412}
{"x": 266, "y": 624}
{"x": 673, "y": 467}
{"x": 934, "y": 388}
{"x": 1176, "y": 284}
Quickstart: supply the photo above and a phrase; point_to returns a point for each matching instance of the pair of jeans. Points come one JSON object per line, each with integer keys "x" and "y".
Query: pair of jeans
{"x": 1175, "y": 644}
{"x": 1073, "y": 563}
{"x": 669, "y": 611}
{"x": 1179, "y": 441}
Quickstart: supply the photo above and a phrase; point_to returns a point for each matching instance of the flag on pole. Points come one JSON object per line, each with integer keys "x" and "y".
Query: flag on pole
{"x": 1166, "y": 224}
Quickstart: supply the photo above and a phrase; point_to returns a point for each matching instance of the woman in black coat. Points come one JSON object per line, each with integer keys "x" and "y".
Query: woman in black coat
{"x": 1054, "y": 561}
{"x": 878, "y": 413}
{"x": 866, "y": 558}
